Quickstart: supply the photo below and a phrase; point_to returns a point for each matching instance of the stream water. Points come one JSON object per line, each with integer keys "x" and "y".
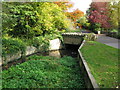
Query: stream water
{"x": 70, "y": 50}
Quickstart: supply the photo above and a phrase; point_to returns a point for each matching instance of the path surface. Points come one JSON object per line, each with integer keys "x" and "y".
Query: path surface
{"x": 109, "y": 41}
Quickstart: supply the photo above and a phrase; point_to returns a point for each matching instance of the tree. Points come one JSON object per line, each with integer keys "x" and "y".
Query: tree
{"x": 18, "y": 19}
{"x": 83, "y": 22}
{"x": 33, "y": 18}
{"x": 97, "y": 13}
{"x": 74, "y": 16}
{"x": 51, "y": 18}
{"x": 114, "y": 14}
{"x": 64, "y": 5}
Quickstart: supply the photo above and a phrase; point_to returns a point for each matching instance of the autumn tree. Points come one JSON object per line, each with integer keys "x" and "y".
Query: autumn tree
{"x": 74, "y": 16}
{"x": 97, "y": 13}
{"x": 64, "y": 5}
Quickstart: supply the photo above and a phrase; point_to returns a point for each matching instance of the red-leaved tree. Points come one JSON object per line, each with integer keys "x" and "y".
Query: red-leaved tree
{"x": 97, "y": 13}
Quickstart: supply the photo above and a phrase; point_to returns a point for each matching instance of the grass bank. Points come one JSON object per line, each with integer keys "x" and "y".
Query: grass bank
{"x": 103, "y": 63}
{"x": 44, "y": 72}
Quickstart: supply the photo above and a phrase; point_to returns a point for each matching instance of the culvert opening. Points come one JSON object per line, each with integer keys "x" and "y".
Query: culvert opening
{"x": 69, "y": 50}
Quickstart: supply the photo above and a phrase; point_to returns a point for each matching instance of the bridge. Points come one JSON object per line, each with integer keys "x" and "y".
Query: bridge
{"x": 73, "y": 38}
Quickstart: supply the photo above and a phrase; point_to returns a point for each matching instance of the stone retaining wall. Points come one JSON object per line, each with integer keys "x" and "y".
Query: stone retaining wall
{"x": 11, "y": 57}
{"x": 55, "y": 44}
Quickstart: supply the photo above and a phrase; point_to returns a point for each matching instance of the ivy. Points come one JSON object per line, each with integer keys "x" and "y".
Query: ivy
{"x": 44, "y": 72}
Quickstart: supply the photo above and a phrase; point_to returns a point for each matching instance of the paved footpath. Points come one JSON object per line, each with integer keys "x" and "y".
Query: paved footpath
{"x": 109, "y": 41}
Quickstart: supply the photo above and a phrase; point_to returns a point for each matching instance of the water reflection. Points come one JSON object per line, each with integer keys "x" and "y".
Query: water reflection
{"x": 55, "y": 53}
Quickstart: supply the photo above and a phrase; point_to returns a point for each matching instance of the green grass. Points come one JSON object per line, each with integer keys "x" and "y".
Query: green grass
{"x": 76, "y": 30}
{"x": 103, "y": 63}
{"x": 44, "y": 72}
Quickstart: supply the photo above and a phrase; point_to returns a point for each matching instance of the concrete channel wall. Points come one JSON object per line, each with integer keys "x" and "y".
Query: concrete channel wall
{"x": 88, "y": 77}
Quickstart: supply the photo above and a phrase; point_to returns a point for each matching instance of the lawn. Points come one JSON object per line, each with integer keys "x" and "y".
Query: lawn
{"x": 76, "y": 30}
{"x": 103, "y": 63}
{"x": 44, "y": 72}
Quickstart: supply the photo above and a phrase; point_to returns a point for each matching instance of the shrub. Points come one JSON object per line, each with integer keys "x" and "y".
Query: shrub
{"x": 41, "y": 43}
{"x": 12, "y": 46}
{"x": 56, "y": 34}
{"x": 114, "y": 30}
{"x": 114, "y": 33}
{"x": 97, "y": 29}
{"x": 118, "y": 35}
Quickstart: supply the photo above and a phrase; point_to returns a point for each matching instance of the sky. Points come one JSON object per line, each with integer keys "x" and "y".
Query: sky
{"x": 82, "y": 5}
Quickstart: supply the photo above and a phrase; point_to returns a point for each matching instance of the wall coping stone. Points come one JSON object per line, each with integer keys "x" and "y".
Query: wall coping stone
{"x": 90, "y": 76}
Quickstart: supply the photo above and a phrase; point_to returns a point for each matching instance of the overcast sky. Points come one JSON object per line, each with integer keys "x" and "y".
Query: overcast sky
{"x": 82, "y": 5}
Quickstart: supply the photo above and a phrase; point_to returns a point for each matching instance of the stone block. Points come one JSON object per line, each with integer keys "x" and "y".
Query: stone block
{"x": 30, "y": 50}
{"x": 55, "y": 44}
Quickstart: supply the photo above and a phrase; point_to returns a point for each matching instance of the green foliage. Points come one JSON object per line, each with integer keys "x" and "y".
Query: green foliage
{"x": 34, "y": 22}
{"x": 44, "y": 72}
{"x": 90, "y": 37}
{"x": 12, "y": 46}
{"x": 103, "y": 63}
{"x": 41, "y": 43}
{"x": 114, "y": 33}
{"x": 83, "y": 22}
{"x": 97, "y": 29}
{"x": 114, "y": 30}
{"x": 97, "y": 25}
{"x": 36, "y": 57}
{"x": 54, "y": 35}
{"x": 31, "y": 19}
{"x": 51, "y": 18}
{"x": 118, "y": 36}
{"x": 114, "y": 13}
{"x": 19, "y": 19}
{"x": 86, "y": 25}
